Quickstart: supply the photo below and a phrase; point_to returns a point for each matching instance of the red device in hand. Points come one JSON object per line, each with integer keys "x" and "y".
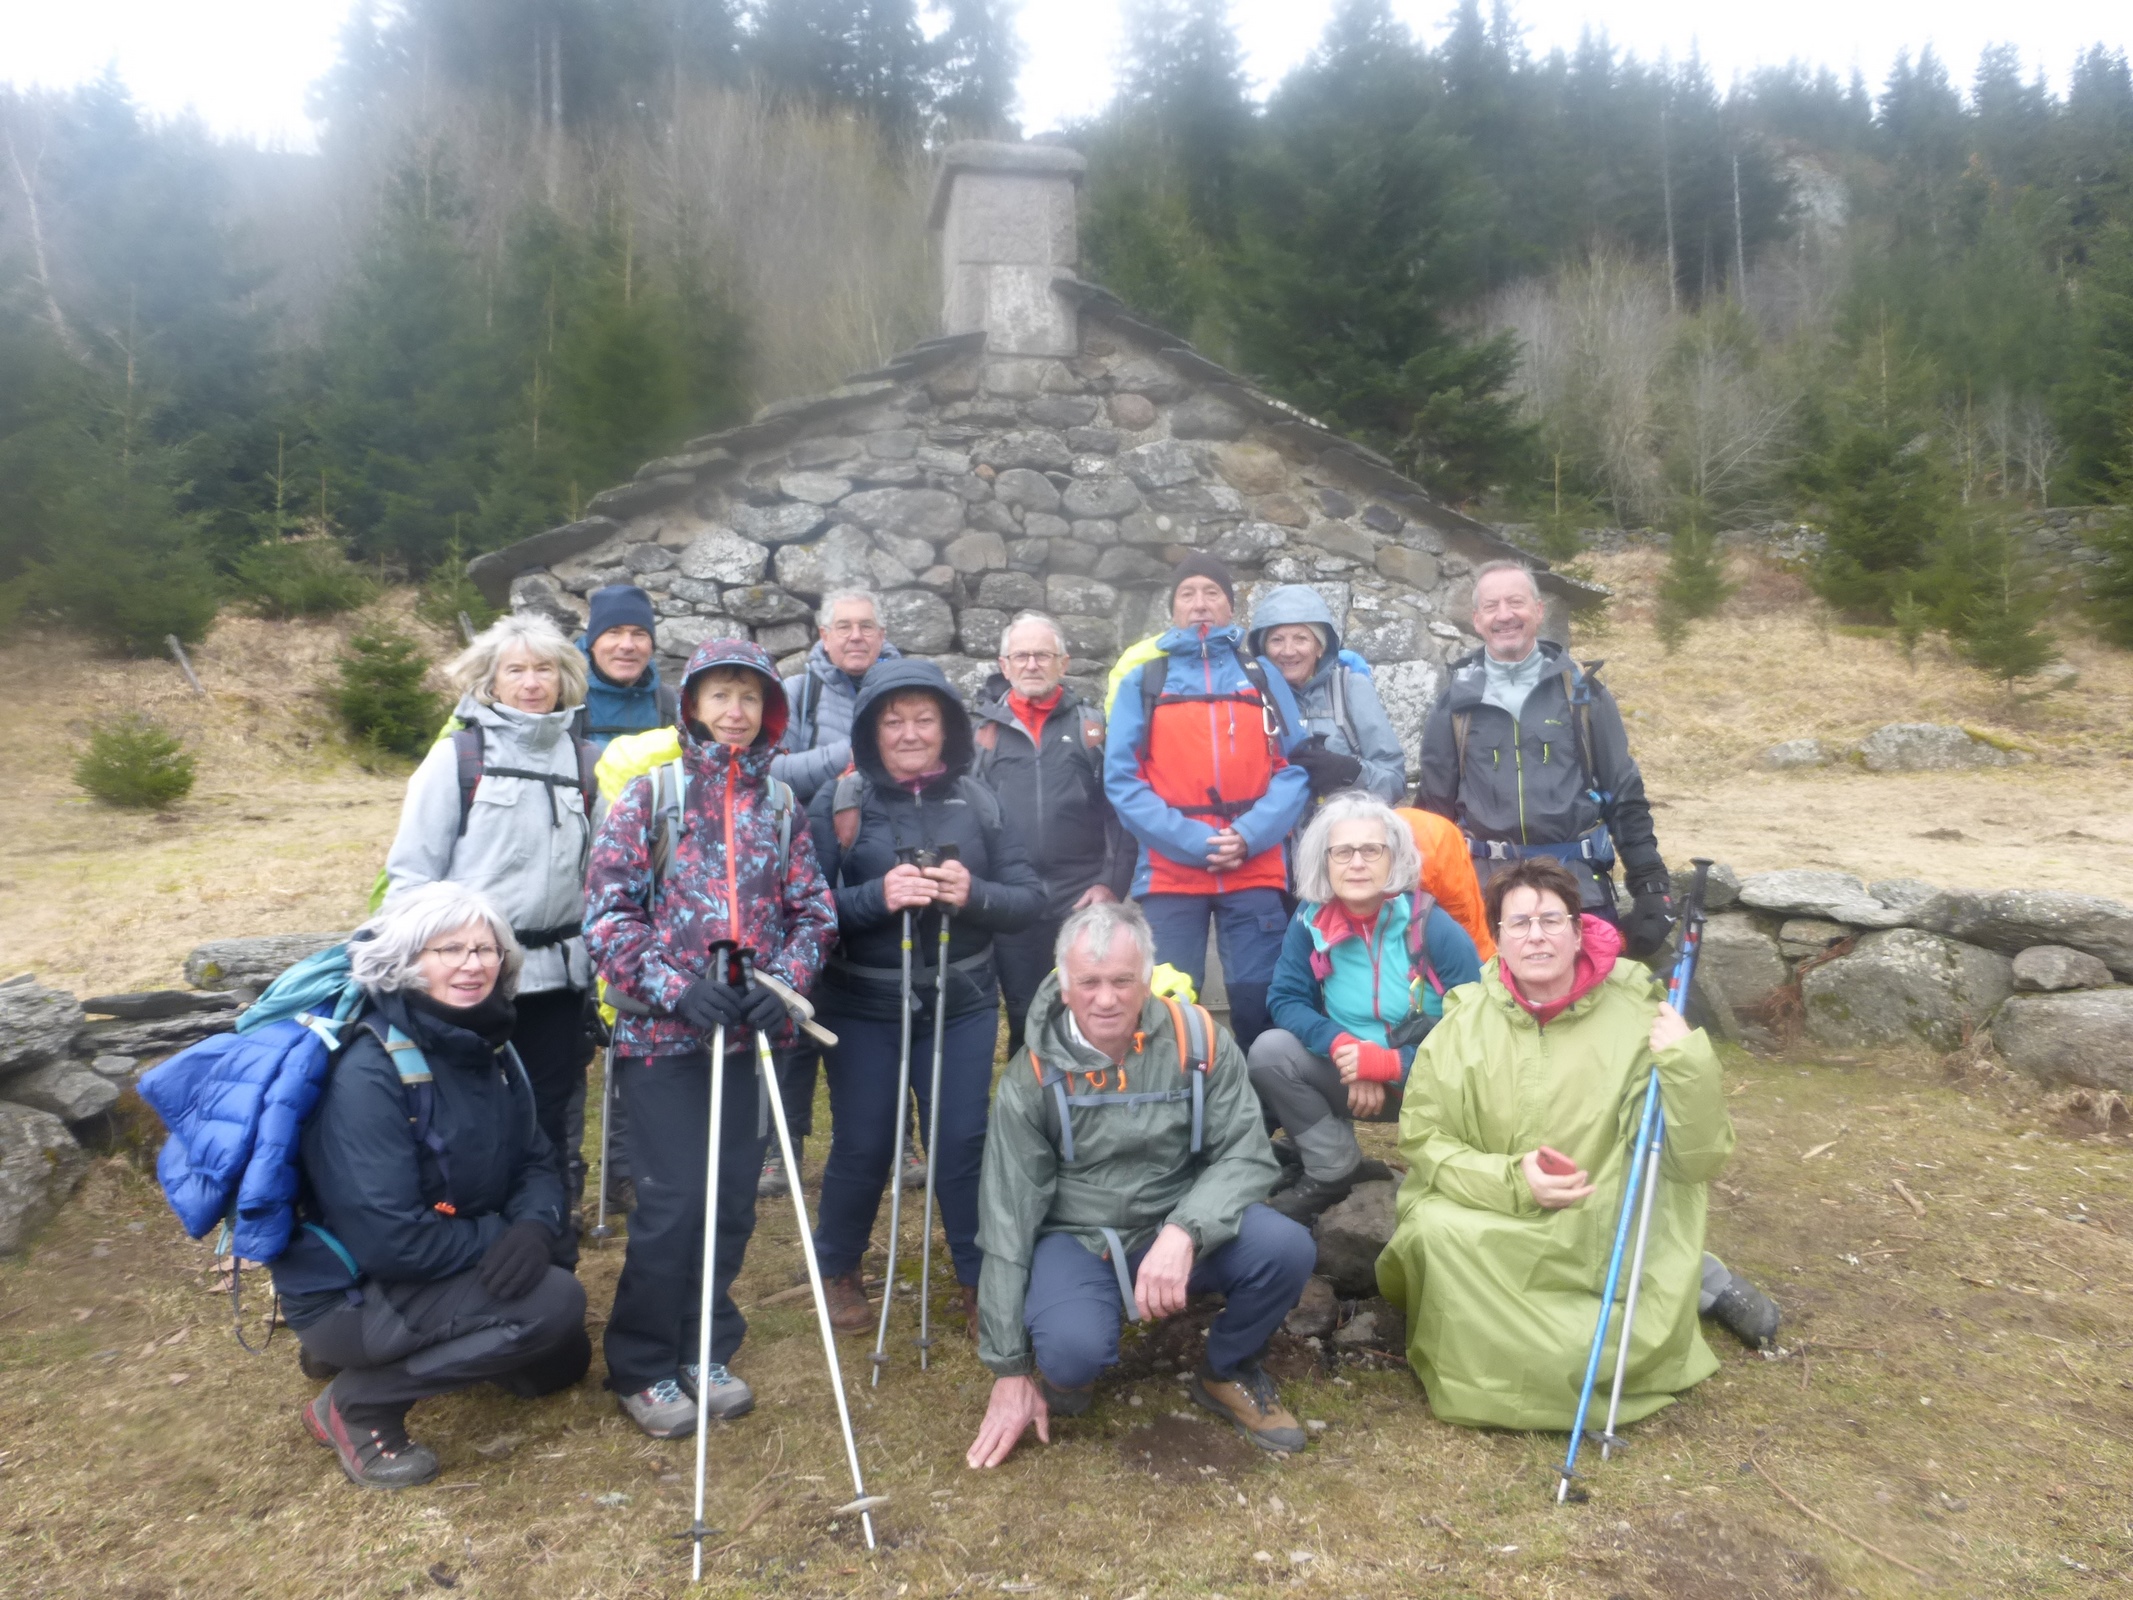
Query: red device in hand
{"x": 1555, "y": 1163}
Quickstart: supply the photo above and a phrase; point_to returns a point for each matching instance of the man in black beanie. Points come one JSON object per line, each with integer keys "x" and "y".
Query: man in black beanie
{"x": 1194, "y": 769}
{"x": 623, "y": 693}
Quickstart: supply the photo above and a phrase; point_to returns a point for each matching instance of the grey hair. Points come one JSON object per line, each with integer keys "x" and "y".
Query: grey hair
{"x": 385, "y": 954}
{"x": 1093, "y": 927}
{"x": 1488, "y": 567}
{"x": 1021, "y": 617}
{"x": 1314, "y": 862}
{"x": 837, "y": 597}
{"x": 473, "y": 670}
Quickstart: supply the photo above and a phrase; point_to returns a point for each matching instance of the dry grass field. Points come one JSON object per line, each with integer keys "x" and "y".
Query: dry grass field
{"x": 1952, "y": 1411}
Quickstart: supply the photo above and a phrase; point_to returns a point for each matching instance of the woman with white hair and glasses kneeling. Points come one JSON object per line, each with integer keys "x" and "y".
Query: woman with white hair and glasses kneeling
{"x": 429, "y": 1208}
{"x": 503, "y": 803}
{"x": 1360, "y": 982}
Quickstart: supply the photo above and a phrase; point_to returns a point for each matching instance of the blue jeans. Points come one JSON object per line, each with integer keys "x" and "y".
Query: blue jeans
{"x": 1249, "y": 927}
{"x": 1073, "y": 1308}
{"x": 864, "y": 1117}
{"x": 652, "y": 1329}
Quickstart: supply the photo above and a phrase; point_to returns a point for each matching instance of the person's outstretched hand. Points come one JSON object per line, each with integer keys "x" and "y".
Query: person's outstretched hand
{"x": 1015, "y": 1404}
{"x": 1553, "y": 1191}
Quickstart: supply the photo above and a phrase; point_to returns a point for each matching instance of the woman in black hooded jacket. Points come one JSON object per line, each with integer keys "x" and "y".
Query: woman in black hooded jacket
{"x": 910, "y": 792}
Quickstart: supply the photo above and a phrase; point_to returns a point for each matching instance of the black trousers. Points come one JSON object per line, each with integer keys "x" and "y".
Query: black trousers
{"x": 652, "y": 1330}
{"x": 408, "y": 1341}
{"x": 551, "y": 1040}
{"x": 796, "y": 1087}
{"x": 1023, "y": 959}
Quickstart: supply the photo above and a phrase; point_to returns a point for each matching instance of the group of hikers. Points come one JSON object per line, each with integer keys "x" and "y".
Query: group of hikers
{"x": 587, "y": 843}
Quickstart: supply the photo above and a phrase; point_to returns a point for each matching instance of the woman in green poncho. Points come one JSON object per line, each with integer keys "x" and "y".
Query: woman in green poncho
{"x": 1519, "y": 1119}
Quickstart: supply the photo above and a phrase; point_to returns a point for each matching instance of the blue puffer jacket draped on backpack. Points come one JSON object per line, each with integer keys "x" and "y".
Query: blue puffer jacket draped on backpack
{"x": 236, "y": 1106}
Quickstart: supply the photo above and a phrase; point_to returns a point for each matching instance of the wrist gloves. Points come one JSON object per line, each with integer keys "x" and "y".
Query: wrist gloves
{"x": 761, "y": 1009}
{"x": 1329, "y": 770}
{"x": 707, "y": 1004}
{"x": 1650, "y": 920}
{"x": 1374, "y": 1063}
{"x": 516, "y": 1262}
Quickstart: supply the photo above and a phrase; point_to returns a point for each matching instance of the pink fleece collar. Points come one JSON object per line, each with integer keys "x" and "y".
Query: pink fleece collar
{"x": 1600, "y": 944}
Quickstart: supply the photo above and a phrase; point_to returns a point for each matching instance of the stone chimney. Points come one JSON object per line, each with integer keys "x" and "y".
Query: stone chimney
{"x": 1006, "y": 216}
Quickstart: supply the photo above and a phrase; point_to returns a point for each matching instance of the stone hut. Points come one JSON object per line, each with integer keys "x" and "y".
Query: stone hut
{"x": 1048, "y": 450}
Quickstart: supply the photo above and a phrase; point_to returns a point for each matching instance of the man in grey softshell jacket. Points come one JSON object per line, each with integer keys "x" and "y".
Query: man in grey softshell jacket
{"x": 820, "y": 696}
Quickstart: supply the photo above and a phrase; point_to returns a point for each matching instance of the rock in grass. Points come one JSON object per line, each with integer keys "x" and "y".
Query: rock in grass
{"x": 68, "y": 1090}
{"x": 1351, "y": 1236}
{"x": 2078, "y": 1037}
{"x": 39, "y": 1165}
{"x": 1904, "y": 987}
{"x": 1930, "y": 747}
{"x": 2046, "y": 968}
{"x": 252, "y": 963}
{"x": 1315, "y": 1312}
{"x": 2012, "y": 920}
{"x": 37, "y": 1025}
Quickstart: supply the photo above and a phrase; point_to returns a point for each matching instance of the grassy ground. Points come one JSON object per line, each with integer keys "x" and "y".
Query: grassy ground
{"x": 1953, "y": 1392}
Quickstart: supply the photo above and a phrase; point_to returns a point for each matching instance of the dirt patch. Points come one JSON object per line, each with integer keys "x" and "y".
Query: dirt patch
{"x": 1186, "y": 1448}
{"x": 1694, "y": 1555}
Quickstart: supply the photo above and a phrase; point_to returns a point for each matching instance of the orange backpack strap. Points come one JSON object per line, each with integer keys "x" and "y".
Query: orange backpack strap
{"x": 1194, "y": 1029}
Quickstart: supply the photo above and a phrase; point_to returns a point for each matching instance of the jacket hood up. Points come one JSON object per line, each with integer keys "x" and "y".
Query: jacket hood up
{"x": 739, "y": 653}
{"x": 1294, "y": 602}
{"x": 889, "y": 678}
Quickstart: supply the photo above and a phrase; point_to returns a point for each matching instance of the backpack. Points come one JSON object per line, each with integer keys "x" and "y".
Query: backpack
{"x": 1194, "y": 1031}
{"x": 472, "y": 765}
{"x": 986, "y": 737}
{"x": 235, "y": 1105}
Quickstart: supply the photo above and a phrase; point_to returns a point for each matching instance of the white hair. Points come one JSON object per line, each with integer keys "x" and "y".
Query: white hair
{"x": 1519, "y": 567}
{"x": 1022, "y": 617}
{"x": 838, "y": 597}
{"x": 1314, "y": 872}
{"x": 473, "y": 670}
{"x": 1093, "y": 928}
{"x": 385, "y": 954}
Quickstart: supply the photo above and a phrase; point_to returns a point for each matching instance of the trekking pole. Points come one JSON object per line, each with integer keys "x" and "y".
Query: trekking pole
{"x": 601, "y": 1232}
{"x": 880, "y": 1356}
{"x": 721, "y": 956}
{"x": 933, "y": 1130}
{"x": 769, "y": 1070}
{"x": 1678, "y": 997}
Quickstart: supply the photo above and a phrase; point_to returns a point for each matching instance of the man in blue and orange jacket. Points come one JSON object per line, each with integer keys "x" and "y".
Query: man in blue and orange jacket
{"x": 1193, "y": 767}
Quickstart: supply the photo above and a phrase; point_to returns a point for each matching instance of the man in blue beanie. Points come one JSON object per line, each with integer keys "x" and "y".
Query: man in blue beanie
{"x": 623, "y": 693}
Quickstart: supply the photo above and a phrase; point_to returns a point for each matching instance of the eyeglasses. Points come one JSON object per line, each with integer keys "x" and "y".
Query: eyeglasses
{"x": 457, "y": 955}
{"x": 1551, "y": 924}
{"x": 849, "y": 629}
{"x": 1368, "y": 854}
{"x": 1033, "y": 658}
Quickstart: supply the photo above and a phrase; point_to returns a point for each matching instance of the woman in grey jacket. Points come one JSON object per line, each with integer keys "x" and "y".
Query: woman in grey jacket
{"x": 503, "y": 804}
{"x": 1347, "y": 741}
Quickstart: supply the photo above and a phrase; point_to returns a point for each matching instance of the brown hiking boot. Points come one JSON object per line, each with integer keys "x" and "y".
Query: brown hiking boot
{"x": 848, "y": 1307}
{"x": 1249, "y": 1399}
{"x": 970, "y": 1310}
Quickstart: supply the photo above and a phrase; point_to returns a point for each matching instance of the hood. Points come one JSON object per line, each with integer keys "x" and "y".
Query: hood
{"x": 819, "y": 663}
{"x": 1295, "y": 602}
{"x": 889, "y": 678}
{"x": 539, "y": 729}
{"x": 740, "y": 653}
{"x": 1600, "y": 943}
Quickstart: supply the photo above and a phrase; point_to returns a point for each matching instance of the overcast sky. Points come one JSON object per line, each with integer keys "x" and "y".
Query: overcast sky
{"x": 244, "y": 65}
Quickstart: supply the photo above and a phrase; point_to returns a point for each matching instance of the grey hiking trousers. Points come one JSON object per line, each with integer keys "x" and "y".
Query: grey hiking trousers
{"x": 1303, "y": 1092}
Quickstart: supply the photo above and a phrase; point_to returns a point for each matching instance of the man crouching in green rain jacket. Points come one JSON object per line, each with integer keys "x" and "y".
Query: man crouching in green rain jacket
{"x": 1125, "y": 1167}
{"x": 1518, "y": 1125}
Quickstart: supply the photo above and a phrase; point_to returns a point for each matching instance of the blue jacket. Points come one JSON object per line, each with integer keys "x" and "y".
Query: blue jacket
{"x": 613, "y": 709}
{"x": 235, "y": 1105}
{"x": 1194, "y": 667}
{"x": 1339, "y": 700}
{"x": 1296, "y": 999}
{"x": 367, "y": 1183}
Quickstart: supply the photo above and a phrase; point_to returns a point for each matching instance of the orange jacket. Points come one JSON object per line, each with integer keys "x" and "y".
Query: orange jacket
{"x": 1448, "y": 873}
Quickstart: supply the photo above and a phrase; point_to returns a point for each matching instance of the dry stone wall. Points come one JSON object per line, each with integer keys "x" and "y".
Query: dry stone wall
{"x": 965, "y": 487}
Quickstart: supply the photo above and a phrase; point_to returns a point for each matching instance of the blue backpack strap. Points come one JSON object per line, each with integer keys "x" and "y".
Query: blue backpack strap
{"x": 418, "y": 1085}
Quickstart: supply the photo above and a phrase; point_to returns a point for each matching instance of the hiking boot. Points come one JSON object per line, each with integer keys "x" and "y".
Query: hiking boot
{"x": 1369, "y": 1171}
{"x": 771, "y": 1183}
{"x": 914, "y": 1170}
{"x": 848, "y": 1307}
{"x": 1311, "y": 1197}
{"x": 1291, "y": 1160}
{"x": 372, "y": 1446}
{"x": 1065, "y": 1402}
{"x": 1747, "y": 1313}
{"x": 723, "y": 1398}
{"x": 1249, "y": 1400}
{"x": 662, "y": 1411}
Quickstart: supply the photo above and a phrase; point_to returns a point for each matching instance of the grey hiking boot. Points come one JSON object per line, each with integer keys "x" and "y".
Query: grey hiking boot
{"x": 771, "y": 1181}
{"x": 662, "y": 1411}
{"x": 1248, "y": 1399}
{"x": 1309, "y": 1198}
{"x": 372, "y": 1445}
{"x": 723, "y": 1398}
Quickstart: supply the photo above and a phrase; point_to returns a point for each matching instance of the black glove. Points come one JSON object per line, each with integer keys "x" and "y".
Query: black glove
{"x": 761, "y": 1009}
{"x": 1649, "y": 921}
{"x": 516, "y": 1262}
{"x": 708, "y": 1004}
{"x": 1329, "y": 770}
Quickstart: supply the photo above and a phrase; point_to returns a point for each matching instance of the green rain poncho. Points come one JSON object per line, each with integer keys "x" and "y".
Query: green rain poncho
{"x": 1500, "y": 1295}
